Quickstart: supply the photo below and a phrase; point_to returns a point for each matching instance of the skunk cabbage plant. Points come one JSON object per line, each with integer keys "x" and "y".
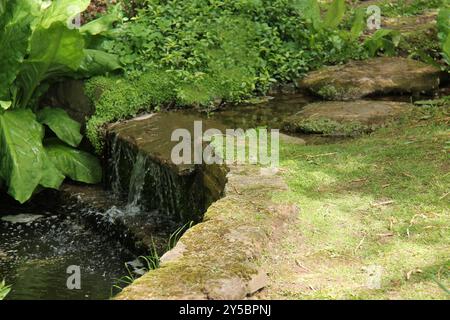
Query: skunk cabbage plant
{"x": 40, "y": 45}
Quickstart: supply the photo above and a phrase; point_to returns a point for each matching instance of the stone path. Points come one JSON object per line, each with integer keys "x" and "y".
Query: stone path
{"x": 378, "y": 76}
{"x": 346, "y": 118}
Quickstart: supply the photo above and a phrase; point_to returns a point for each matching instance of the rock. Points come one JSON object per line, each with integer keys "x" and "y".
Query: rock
{"x": 220, "y": 258}
{"x": 226, "y": 289}
{"x": 378, "y": 76}
{"x": 419, "y": 33}
{"x": 70, "y": 96}
{"x": 345, "y": 118}
{"x": 173, "y": 254}
{"x": 180, "y": 191}
{"x": 257, "y": 282}
{"x": 22, "y": 218}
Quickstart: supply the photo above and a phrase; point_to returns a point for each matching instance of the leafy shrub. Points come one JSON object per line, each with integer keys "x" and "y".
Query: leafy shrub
{"x": 233, "y": 47}
{"x": 385, "y": 40}
{"x": 207, "y": 52}
{"x": 39, "y": 47}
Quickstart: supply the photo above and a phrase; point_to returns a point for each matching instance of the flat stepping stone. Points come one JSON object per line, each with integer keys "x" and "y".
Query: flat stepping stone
{"x": 378, "y": 76}
{"x": 346, "y": 118}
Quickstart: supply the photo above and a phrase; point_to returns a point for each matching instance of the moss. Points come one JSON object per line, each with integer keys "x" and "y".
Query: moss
{"x": 332, "y": 92}
{"x": 117, "y": 98}
{"x": 223, "y": 250}
{"x": 421, "y": 41}
{"x": 328, "y": 92}
{"x": 327, "y": 126}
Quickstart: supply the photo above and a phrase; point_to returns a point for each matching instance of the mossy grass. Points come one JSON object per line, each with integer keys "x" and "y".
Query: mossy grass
{"x": 381, "y": 199}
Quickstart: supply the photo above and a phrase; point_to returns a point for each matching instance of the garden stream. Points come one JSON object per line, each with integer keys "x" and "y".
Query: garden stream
{"x": 40, "y": 240}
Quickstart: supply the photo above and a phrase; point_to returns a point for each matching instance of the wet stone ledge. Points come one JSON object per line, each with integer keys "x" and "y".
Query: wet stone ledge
{"x": 140, "y": 169}
{"x": 220, "y": 257}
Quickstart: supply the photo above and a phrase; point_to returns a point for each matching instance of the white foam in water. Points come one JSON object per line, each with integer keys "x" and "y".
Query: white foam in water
{"x": 22, "y": 218}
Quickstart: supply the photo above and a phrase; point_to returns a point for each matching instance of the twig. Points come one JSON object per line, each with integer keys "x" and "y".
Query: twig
{"x": 302, "y": 266}
{"x": 321, "y": 155}
{"x": 360, "y": 244}
{"x": 445, "y": 195}
{"x": 236, "y": 190}
{"x": 383, "y": 203}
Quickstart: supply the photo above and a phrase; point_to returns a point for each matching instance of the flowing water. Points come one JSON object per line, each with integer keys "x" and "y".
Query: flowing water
{"x": 39, "y": 242}
{"x": 35, "y": 256}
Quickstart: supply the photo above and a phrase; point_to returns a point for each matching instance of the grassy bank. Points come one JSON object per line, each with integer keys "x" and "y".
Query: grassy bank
{"x": 378, "y": 200}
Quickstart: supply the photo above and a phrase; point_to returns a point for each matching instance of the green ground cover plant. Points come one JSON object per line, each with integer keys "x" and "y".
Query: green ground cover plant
{"x": 207, "y": 52}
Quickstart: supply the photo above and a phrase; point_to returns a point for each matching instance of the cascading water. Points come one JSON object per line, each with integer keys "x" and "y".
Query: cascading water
{"x": 148, "y": 182}
{"x": 136, "y": 188}
{"x": 137, "y": 177}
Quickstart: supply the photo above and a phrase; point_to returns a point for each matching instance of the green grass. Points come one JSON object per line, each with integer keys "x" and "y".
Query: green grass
{"x": 378, "y": 200}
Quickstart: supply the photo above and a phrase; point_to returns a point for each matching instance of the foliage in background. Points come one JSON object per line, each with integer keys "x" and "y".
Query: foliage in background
{"x": 206, "y": 52}
{"x": 40, "y": 46}
{"x": 385, "y": 40}
{"x": 97, "y": 8}
{"x": 443, "y": 22}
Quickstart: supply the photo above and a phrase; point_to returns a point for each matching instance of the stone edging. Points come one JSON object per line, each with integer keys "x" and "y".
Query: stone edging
{"x": 220, "y": 258}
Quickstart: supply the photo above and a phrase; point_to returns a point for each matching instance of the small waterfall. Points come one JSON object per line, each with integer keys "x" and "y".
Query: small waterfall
{"x": 137, "y": 176}
{"x": 148, "y": 184}
{"x": 137, "y": 182}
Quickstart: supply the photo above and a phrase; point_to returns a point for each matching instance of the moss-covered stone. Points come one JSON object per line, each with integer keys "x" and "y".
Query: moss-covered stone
{"x": 380, "y": 76}
{"x": 220, "y": 257}
{"x": 345, "y": 118}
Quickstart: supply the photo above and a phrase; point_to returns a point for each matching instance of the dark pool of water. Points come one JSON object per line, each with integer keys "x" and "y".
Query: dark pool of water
{"x": 270, "y": 113}
{"x": 35, "y": 255}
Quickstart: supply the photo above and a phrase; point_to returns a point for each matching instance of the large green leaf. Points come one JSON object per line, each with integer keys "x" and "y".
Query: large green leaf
{"x": 62, "y": 11}
{"x": 98, "y": 62}
{"x": 101, "y": 24}
{"x": 65, "y": 128}
{"x": 383, "y": 39}
{"x": 15, "y": 22}
{"x": 55, "y": 51}
{"x": 24, "y": 164}
{"x": 311, "y": 11}
{"x": 446, "y": 49}
{"x": 359, "y": 24}
{"x": 443, "y": 23}
{"x": 78, "y": 165}
{"x": 335, "y": 14}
